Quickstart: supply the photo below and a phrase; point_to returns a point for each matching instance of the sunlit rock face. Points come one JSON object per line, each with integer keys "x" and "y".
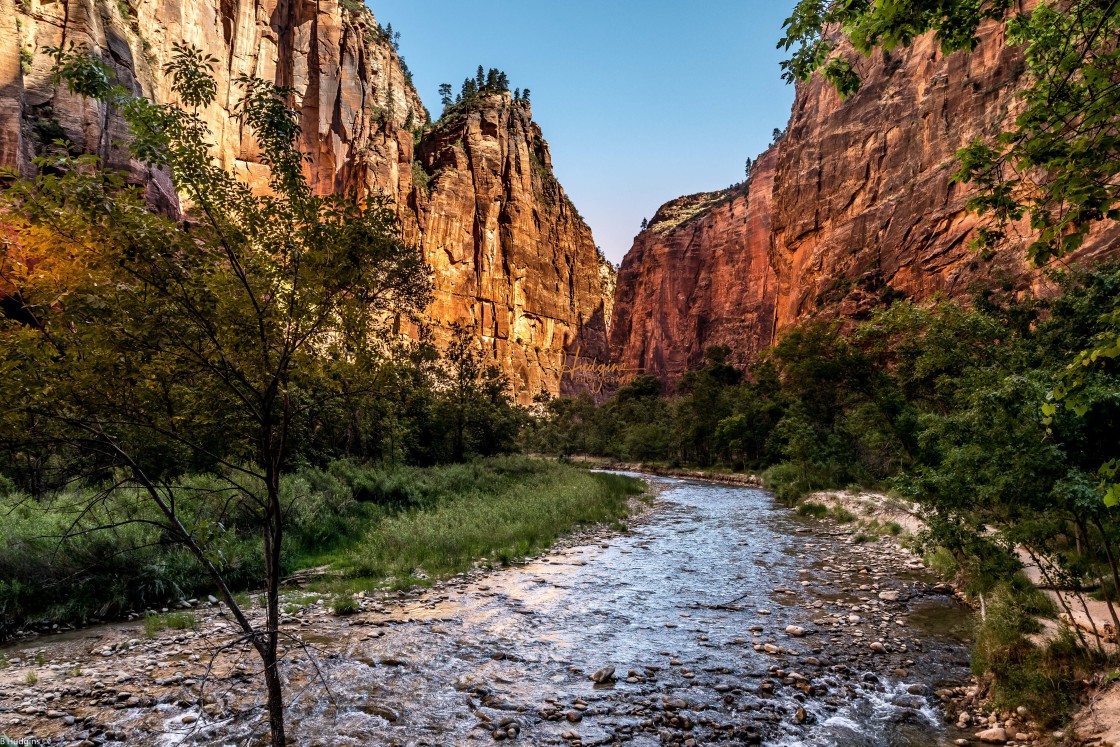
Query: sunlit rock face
{"x": 853, "y": 207}
{"x": 510, "y": 254}
{"x": 699, "y": 275}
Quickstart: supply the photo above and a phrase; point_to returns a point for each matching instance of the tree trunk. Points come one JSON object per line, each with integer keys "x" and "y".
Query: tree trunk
{"x": 274, "y": 688}
{"x": 268, "y": 639}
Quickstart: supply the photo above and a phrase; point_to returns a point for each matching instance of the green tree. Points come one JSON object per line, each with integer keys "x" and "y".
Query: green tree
{"x": 445, "y": 95}
{"x": 157, "y": 346}
{"x": 1056, "y": 167}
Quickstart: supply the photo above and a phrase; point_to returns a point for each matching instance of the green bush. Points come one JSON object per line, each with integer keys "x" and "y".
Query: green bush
{"x": 344, "y": 604}
{"x": 816, "y": 510}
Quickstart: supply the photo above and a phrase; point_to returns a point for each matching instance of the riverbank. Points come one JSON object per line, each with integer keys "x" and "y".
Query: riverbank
{"x": 793, "y": 630}
{"x": 1096, "y": 720}
{"x": 352, "y": 527}
{"x": 722, "y": 477}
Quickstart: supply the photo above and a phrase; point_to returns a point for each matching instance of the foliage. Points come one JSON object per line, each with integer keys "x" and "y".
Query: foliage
{"x": 344, "y": 515}
{"x": 887, "y": 24}
{"x": 144, "y": 347}
{"x": 940, "y": 402}
{"x": 474, "y": 90}
{"x": 1053, "y": 173}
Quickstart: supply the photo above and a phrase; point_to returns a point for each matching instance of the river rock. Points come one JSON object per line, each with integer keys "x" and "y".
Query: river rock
{"x": 992, "y": 736}
{"x": 604, "y": 675}
{"x": 889, "y": 596}
{"x": 796, "y": 631}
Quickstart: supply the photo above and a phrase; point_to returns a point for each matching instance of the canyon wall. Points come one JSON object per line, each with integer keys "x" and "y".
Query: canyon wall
{"x": 511, "y": 257}
{"x": 852, "y": 208}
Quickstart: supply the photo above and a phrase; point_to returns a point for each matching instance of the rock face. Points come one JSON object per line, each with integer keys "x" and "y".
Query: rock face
{"x": 510, "y": 253}
{"x": 700, "y": 275}
{"x": 854, "y": 206}
{"x": 511, "y": 256}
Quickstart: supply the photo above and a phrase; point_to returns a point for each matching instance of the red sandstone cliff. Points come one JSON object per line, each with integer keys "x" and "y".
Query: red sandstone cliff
{"x": 853, "y": 206}
{"x": 700, "y": 275}
{"x": 510, "y": 254}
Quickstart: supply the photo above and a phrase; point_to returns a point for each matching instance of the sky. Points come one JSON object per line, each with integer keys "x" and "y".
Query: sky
{"x": 641, "y": 101}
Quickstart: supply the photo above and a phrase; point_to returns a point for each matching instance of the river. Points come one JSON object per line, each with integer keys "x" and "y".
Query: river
{"x": 691, "y": 608}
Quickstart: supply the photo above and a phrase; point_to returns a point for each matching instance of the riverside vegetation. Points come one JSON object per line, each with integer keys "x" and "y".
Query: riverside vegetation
{"x": 193, "y": 405}
{"x": 943, "y": 404}
{"x": 371, "y": 526}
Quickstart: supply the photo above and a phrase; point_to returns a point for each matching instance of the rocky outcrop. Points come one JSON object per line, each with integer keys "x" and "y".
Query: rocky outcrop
{"x": 510, "y": 254}
{"x": 854, "y": 207}
{"x": 699, "y": 275}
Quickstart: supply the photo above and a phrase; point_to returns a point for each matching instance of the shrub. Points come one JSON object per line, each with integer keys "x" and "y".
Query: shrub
{"x": 816, "y": 510}
{"x": 344, "y": 604}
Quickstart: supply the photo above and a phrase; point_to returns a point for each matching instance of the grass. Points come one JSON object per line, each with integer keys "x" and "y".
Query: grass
{"x": 816, "y": 510}
{"x": 1041, "y": 678}
{"x": 155, "y": 624}
{"x": 843, "y": 515}
{"x": 295, "y": 602}
{"x": 377, "y": 525}
{"x": 344, "y": 604}
{"x": 500, "y": 512}
{"x": 32, "y": 678}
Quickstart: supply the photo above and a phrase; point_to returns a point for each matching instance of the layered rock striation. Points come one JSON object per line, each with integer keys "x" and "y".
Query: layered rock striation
{"x": 854, "y": 207}
{"x": 511, "y": 256}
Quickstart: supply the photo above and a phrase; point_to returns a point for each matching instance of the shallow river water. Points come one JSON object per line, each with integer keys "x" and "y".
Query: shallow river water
{"x": 672, "y": 603}
{"x": 690, "y": 607}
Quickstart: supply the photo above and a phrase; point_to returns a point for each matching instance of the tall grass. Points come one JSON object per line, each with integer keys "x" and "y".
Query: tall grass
{"x": 499, "y": 511}
{"x": 367, "y": 520}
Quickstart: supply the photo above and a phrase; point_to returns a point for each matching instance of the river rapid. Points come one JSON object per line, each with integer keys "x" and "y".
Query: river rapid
{"x": 727, "y": 619}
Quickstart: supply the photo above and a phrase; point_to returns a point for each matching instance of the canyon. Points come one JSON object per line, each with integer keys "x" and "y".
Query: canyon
{"x": 852, "y": 208}
{"x": 511, "y": 257}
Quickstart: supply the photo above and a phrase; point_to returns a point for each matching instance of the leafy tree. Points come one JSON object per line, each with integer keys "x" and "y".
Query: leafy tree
{"x": 445, "y": 95}
{"x": 155, "y": 347}
{"x": 1056, "y": 166}
{"x": 478, "y": 414}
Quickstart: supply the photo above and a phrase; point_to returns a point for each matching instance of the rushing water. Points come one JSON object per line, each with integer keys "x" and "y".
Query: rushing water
{"x": 683, "y": 607}
{"x": 662, "y": 603}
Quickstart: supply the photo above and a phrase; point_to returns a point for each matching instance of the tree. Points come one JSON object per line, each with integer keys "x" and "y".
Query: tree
{"x": 525, "y": 95}
{"x": 445, "y": 95}
{"x": 517, "y": 94}
{"x": 750, "y": 165}
{"x": 154, "y": 345}
{"x": 1057, "y": 165}
{"x": 479, "y": 415}
{"x": 480, "y": 78}
{"x": 645, "y": 223}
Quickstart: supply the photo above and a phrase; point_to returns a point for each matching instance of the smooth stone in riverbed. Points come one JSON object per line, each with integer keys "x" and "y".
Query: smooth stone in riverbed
{"x": 796, "y": 631}
{"x": 992, "y": 736}
{"x": 604, "y": 675}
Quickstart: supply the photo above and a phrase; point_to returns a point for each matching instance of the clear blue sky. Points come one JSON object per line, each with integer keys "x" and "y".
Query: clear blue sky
{"x": 641, "y": 100}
